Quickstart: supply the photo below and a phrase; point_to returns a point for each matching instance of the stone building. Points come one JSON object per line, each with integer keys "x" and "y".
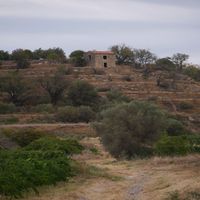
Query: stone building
{"x": 100, "y": 59}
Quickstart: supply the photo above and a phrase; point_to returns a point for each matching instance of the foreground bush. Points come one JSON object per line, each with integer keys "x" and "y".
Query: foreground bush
{"x": 43, "y": 162}
{"x": 178, "y": 145}
{"x": 130, "y": 129}
{"x": 75, "y": 114}
{"x": 22, "y": 171}
{"x": 53, "y": 144}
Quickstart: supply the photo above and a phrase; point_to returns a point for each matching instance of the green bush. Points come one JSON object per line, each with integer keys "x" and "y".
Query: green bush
{"x": 22, "y": 171}
{"x": 130, "y": 129}
{"x": 6, "y": 108}
{"x": 43, "y": 108}
{"x": 23, "y": 137}
{"x": 175, "y": 128}
{"x": 86, "y": 114}
{"x": 43, "y": 162}
{"x": 178, "y": 145}
{"x": 53, "y": 144}
{"x": 115, "y": 95}
{"x": 81, "y": 93}
{"x": 75, "y": 114}
{"x": 67, "y": 114}
{"x": 193, "y": 72}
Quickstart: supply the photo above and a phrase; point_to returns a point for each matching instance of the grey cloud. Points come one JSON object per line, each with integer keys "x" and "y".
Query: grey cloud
{"x": 165, "y": 27}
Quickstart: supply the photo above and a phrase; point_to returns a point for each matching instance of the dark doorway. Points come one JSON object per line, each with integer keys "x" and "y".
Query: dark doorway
{"x": 105, "y": 65}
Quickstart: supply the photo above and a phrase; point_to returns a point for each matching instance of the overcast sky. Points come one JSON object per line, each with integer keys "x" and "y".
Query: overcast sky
{"x": 163, "y": 26}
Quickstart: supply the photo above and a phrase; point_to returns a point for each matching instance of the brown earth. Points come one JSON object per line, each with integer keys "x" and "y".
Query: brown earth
{"x": 137, "y": 87}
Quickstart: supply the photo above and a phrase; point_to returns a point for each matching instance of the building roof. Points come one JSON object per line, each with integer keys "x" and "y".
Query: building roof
{"x": 101, "y": 52}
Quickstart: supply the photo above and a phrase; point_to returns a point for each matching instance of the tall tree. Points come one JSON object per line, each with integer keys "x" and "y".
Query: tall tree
{"x": 4, "y": 55}
{"x": 77, "y": 58}
{"x": 179, "y": 60}
{"x": 16, "y": 87}
{"x": 124, "y": 54}
{"x": 22, "y": 58}
{"x": 55, "y": 86}
{"x": 144, "y": 57}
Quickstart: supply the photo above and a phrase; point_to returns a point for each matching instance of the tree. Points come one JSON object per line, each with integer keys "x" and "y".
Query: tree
{"x": 4, "y": 55}
{"x": 144, "y": 57}
{"x": 56, "y": 55}
{"x": 22, "y": 58}
{"x": 124, "y": 54}
{"x": 16, "y": 88}
{"x": 165, "y": 64}
{"x": 179, "y": 60}
{"x": 130, "y": 129}
{"x": 55, "y": 86}
{"x": 193, "y": 72}
{"x": 77, "y": 58}
{"x": 82, "y": 93}
{"x": 53, "y": 55}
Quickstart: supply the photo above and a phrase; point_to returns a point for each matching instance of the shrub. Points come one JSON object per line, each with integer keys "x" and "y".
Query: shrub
{"x": 53, "y": 144}
{"x": 115, "y": 95}
{"x": 193, "y": 72}
{"x": 23, "y": 137}
{"x": 9, "y": 120}
{"x": 67, "y": 114}
{"x": 75, "y": 114}
{"x": 86, "y": 114}
{"x": 43, "y": 108}
{"x": 6, "y": 108}
{"x": 81, "y": 93}
{"x": 175, "y": 128}
{"x": 22, "y": 171}
{"x": 178, "y": 145}
{"x": 185, "y": 106}
{"x": 130, "y": 129}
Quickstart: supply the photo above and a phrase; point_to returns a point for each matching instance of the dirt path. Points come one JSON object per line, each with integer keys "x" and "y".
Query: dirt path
{"x": 139, "y": 180}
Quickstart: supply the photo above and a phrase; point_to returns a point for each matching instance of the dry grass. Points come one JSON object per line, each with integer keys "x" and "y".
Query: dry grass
{"x": 109, "y": 179}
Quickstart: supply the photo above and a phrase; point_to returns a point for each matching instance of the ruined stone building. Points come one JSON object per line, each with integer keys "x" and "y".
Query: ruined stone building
{"x": 100, "y": 59}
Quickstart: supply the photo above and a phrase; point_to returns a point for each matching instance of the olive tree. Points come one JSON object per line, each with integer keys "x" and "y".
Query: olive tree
{"x": 130, "y": 129}
{"x": 55, "y": 86}
{"x": 179, "y": 60}
{"x": 124, "y": 54}
{"x": 81, "y": 93}
{"x": 144, "y": 57}
{"x": 16, "y": 87}
{"x": 77, "y": 58}
{"x": 22, "y": 57}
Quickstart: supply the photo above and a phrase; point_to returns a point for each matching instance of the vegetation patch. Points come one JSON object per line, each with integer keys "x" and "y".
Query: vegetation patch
{"x": 53, "y": 144}
{"x": 130, "y": 129}
{"x": 23, "y": 137}
{"x": 43, "y": 162}
{"x": 178, "y": 145}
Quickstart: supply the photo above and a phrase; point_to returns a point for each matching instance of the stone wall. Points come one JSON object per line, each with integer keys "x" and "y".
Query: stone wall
{"x": 100, "y": 60}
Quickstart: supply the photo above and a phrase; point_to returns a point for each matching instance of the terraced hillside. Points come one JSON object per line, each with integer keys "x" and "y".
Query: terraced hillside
{"x": 169, "y": 91}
